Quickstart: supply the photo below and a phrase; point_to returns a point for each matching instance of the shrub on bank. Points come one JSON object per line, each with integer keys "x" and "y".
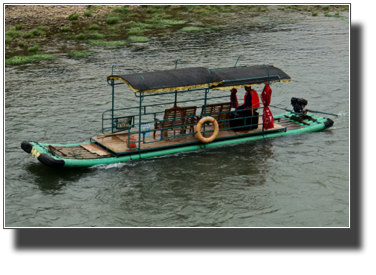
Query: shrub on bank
{"x": 93, "y": 27}
{"x": 12, "y": 33}
{"x": 17, "y": 60}
{"x": 122, "y": 10}
{"x": 105, "y": 43}
{"x": 95, "y": 35}
{"x": 26, "y": 35}
{"x": 35, "y": 32}
{"x": 80, "y": 36}
{"x": 33, "y": 49}
{"x": 112, "y": 20}
{"x": 80, "y": 53}
{"x": 19, "y": 26}
{"x": 88, "y": 14}
{"x": 139, "y": 38}
{"x": 73, "y": 16}
{"x": 8, "y": 39}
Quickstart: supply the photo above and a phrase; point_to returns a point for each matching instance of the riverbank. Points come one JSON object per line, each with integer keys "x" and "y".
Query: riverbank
{"x": 59, "y": 14}
{"x": 54, "y": 14}
{"x": 34, "y": 29}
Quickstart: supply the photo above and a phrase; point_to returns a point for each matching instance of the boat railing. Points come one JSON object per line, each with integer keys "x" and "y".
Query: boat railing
{"x": 144, "y": 112}
{"x": 182, "y": 128}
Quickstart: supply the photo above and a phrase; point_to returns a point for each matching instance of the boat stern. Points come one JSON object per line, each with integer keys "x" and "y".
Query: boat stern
{"x": 42, "y": 154}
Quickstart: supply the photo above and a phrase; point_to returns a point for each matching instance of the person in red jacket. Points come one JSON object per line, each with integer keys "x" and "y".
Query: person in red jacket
{"x": 251, "y": 99}
{"x": 250, "y": 107}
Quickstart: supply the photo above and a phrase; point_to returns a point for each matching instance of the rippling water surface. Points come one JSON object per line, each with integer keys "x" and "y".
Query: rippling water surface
{"x": 292, "y": 181}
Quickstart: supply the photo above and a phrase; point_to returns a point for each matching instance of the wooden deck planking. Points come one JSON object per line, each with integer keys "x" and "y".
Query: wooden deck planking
{"x": 76, "y": 152}
{"x": 95, "y": 149}
{"x": 117, "y": 142}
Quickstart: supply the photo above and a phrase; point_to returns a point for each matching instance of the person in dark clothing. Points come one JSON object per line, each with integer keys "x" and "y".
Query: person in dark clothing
{"x": 250, "y": 105}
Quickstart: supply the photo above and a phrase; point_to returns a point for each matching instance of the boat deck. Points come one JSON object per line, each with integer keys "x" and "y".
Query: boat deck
{"x": 118, "y": 142}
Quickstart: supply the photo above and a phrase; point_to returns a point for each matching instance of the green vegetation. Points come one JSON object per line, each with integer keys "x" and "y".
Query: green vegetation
{"x": 80, "y": 53}
{"x": 314, "y": 13}
{"x": 222, "y": 9}
{"x": 93, "y": 7}
{"x": 325, "y": 7}
{"x": 35, "y": 32}
{"x": 139, "y": 38}
{"x": 8, "y": 39}
{"x": 20, "y": 44}
{"x": 12, "y": 33}
{"x": 262, "y": 10}
{"x": 329, "y": 15}
{"x": 33, "y": 49}
{"x": 105, "y": 43}
{"x": 80, "y": 36}
{"x": 17, "y": 60}
{"x": 281, "y": 8}
{"x": 192, "y": 29}
{"x": 26, "y": 35}
{"x": 19, "y": 26}
{"x": 172, "y": 22}
{"x": 133, "y": 15}
{"x": 122, "y": 10}
{"x": 73, "y": 16}
{"x": 65, "y": 29}
{"x": 215, "y": 28}
{"x": 112, "y": 20}
{"x": 88, "y": 14}
{"x": 41, "y": 28}
{"x": 137, "y": 30}
{"x": 93, "y": 27}
{"x": 95, "y": 35}
{"x": 198, "y": 29}
{"x": 175, "y": 7}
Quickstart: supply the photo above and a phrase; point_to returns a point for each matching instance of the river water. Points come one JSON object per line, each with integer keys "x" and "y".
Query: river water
{"x": 293, "y": 181}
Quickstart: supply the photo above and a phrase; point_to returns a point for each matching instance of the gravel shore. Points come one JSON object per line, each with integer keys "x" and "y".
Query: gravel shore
{"x": 53, "y": 14}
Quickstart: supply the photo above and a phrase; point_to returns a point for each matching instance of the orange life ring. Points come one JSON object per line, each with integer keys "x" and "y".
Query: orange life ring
{"x": 198, "y": 129}
{"x": 172, "y": 107}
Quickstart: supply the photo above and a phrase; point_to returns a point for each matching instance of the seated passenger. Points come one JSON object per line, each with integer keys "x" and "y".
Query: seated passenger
{"x": 250, "y": 105}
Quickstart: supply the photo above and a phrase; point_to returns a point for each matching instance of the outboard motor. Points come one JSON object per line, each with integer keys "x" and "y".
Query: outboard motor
{"x": 298, "y": 105}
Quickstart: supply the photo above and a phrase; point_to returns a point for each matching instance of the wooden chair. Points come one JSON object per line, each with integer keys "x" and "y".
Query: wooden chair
{"x": 176, "y": 125}
{"x": 216, "y": 111}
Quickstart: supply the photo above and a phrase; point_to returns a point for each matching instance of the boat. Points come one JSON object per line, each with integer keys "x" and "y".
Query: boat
{"x": 206, "y": 116}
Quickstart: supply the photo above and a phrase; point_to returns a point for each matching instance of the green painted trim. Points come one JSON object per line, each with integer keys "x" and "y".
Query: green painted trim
{"x": 93, "y": 162}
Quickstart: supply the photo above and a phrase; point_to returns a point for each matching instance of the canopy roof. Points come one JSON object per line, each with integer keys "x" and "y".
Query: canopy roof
{"x": 171, "y": 80}
{"x": 200, "y": 77}
{"x": 247, "y": 76}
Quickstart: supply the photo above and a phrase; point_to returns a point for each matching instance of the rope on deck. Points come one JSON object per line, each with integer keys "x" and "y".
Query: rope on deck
{"x": 76, "y": 153}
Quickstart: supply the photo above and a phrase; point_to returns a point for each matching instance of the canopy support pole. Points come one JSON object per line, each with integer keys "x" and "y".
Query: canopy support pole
{"x": 237, "y": 60}
{"x": 140, "y": 114}
{"x": 113, "y": 107}
{"x": 176, "y": 98}
{"x": 176, "y": 63}
{"x": 267, "y": 68}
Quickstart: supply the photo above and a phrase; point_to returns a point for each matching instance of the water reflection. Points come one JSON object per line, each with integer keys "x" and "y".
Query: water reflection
{"x": 53, "y": 180}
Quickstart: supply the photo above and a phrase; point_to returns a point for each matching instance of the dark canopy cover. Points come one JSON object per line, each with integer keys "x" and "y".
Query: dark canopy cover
{"x": 198, "y": 77}
{"x": 258, "y": 75}
{"x": 171, "y": 80}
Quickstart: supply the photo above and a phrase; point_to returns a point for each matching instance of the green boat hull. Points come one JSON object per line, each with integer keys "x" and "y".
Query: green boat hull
{"x": 43, "y": 155}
